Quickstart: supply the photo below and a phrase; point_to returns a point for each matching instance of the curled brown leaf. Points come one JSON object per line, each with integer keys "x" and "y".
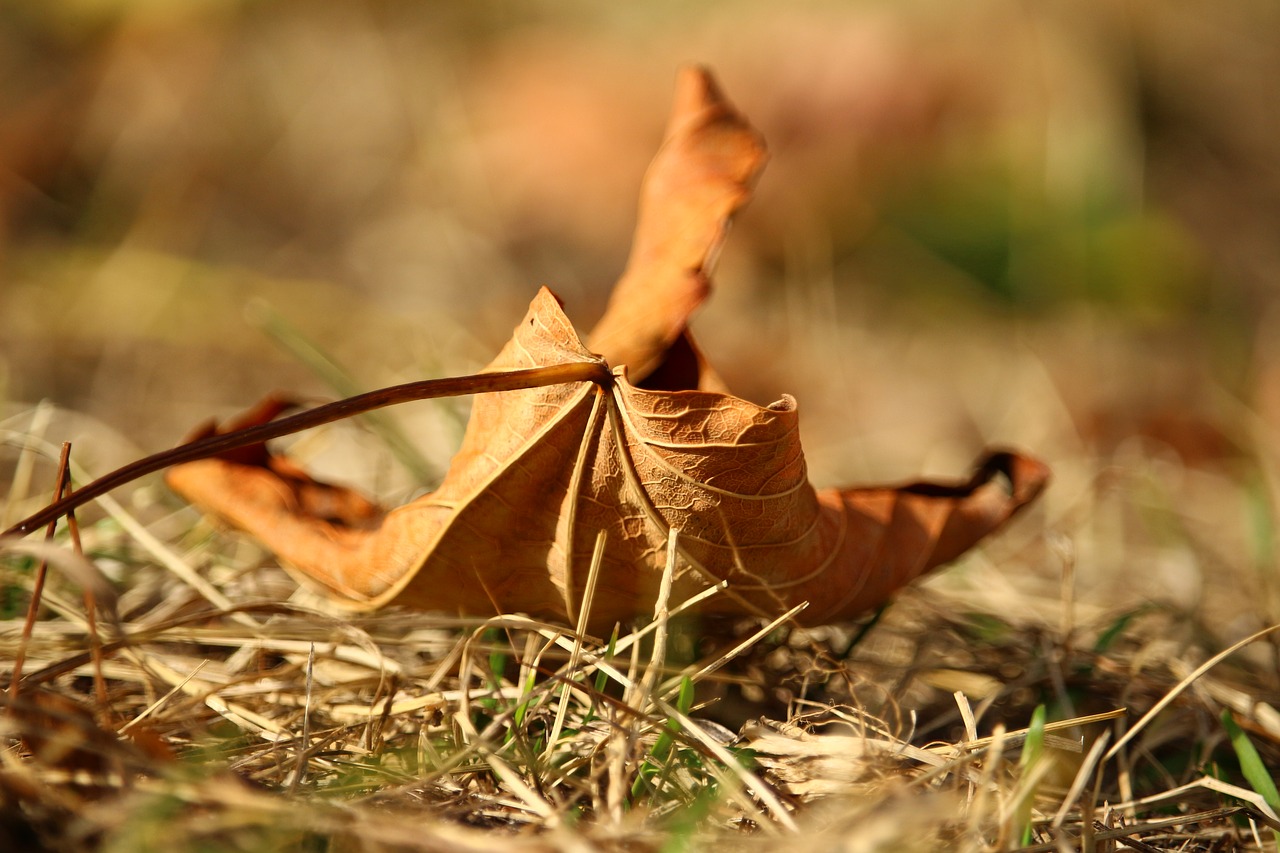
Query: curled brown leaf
{"x": 661, "y": 446}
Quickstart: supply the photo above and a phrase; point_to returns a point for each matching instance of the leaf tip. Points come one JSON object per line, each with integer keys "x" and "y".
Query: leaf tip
{"x": 696, "y": 89}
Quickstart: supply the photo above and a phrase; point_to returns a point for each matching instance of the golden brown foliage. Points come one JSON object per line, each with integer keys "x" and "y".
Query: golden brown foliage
{"x": 662, "y": 447}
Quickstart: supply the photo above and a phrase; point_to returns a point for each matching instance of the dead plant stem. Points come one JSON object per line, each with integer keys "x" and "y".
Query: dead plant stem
{"x": 202, "y": 448}
{"x": 42, "y": 569}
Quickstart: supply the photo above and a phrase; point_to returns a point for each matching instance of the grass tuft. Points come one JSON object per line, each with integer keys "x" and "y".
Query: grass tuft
{"x": 217, "y": 706}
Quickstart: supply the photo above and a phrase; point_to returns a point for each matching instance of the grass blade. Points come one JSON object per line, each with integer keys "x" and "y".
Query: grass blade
{"x": 1251, "y": 764}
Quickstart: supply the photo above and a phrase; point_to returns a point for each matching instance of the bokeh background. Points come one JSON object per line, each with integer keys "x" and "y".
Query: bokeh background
{"x": 1054, "y": 225}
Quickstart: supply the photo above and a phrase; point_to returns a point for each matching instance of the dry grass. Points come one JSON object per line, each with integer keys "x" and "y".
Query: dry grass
{"x": 982, "y": 223}
{"x": 211, "y": 705}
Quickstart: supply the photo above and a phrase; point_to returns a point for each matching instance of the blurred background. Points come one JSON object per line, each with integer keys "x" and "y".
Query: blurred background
{"x": 1053, "y": 225}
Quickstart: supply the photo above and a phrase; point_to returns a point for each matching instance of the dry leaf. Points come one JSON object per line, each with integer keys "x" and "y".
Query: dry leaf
{"x": 541, "y": 471}
{"x": 700, "y": 177}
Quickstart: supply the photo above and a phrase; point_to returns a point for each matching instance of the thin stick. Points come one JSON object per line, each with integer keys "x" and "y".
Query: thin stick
{"x": 90, "y": 607}
{"x": 37, "y": 588}
{"x": 478, "y": 383}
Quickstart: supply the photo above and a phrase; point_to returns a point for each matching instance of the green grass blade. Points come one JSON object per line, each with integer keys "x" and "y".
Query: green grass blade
{"x": 1251, "y": 764}
{"x": 1032, "y": 751}
{"x": 684, "y": 701}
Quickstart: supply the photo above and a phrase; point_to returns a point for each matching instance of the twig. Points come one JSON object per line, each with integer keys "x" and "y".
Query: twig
{"x": 478, "y": 383}
{"x": 42, "y": 569}
{"x": 90, "y": 607}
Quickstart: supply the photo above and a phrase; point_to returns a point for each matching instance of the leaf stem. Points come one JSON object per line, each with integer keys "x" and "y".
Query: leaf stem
{"x": 457, "y": 386}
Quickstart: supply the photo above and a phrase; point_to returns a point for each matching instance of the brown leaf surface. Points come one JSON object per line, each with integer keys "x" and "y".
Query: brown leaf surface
{"x": 700, "y": 177}
{"x": 542, "y": 471}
